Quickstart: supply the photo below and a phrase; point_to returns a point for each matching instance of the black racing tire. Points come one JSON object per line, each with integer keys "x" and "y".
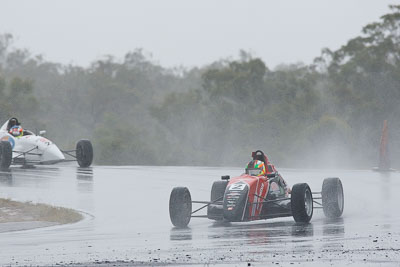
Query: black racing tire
{"x": 5, "y": 155}
{"x": 214, "y": 211}
{"x": 84, "y": 153}
{"x": 218, "y": 190}
{"x": 302, "y": 203}
{"x": 332, "y": 197}
{"x": 180, "y": 207}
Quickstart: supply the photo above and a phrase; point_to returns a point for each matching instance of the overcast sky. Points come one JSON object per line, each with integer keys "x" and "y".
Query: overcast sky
{"x": 185, "y": 32}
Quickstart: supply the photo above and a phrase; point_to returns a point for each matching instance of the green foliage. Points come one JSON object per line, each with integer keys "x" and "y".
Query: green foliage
{"x": 17, "y": 98}
{"x": 238, "y": 81}
{"x": 120, "y": 144}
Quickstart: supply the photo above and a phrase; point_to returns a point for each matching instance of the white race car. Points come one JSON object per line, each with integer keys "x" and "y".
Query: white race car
{"x": 29, "y": 149}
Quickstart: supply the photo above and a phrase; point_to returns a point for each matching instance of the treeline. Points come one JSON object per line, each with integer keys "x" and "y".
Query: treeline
{"x": 326, "y": 114}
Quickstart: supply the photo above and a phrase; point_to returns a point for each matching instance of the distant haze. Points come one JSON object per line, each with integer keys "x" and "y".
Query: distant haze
{"x": 188, "y": 33}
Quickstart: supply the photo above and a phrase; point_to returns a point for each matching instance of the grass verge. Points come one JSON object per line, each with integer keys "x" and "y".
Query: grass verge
{"x": 14, "y": 211}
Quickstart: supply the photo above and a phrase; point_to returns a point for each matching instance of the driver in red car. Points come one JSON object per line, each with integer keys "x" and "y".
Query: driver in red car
{"x": 255, "y": 168}
{"x": 261, "y": 166}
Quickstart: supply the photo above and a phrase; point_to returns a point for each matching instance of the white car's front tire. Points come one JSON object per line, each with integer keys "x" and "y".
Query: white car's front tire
{"x": 5, "y": 155}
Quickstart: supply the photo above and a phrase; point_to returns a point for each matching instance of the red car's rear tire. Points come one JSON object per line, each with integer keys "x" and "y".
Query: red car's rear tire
{"x": 332, "y": 197}
{"x": 215, "y": 211}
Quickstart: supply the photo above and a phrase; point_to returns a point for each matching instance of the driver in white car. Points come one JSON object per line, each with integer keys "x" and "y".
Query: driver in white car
{"x": 16, "y": 131}
{"x": 14, "y": 128}
{"x": 12, "y": 122}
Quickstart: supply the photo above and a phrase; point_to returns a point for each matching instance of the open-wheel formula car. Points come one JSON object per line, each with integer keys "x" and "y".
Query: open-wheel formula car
{"x": 250, "y": 197}
{"x": 22, "y": 147}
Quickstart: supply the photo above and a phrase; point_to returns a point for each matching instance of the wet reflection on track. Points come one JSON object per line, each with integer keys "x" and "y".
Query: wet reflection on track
{"x": 333, "y": 227}
{"x": 6, "y": 178}
{"x": 180, "y": 234}
{"x": 85, "y": 174}
{"x": 84, "y": 177}
{"x": 264, "y": 233}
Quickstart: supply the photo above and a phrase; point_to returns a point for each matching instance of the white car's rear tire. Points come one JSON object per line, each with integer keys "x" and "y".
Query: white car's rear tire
{"x": 84, "y": 153}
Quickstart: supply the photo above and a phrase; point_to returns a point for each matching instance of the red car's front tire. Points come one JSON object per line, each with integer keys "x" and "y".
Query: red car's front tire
{"x": 302, "y": 203}
{"x": 180, "y": 206}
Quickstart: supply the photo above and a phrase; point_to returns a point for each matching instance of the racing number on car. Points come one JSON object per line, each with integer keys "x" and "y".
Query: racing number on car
{"x": 237, "y": 186}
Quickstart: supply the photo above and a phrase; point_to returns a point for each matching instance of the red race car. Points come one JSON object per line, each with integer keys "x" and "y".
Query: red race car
{"x": 259, "y": 193}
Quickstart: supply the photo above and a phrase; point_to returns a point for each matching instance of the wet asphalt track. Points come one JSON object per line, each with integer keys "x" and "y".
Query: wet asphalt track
{"x": 127, "y": 221}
